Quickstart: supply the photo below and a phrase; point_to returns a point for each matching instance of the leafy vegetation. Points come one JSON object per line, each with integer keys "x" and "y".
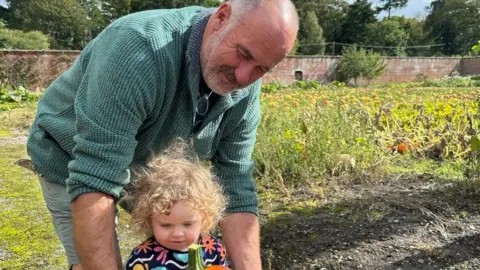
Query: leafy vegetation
{"x": 359, "y": 63}
{"x": 454, "y": 80}
{"x": 13, "y": 98}
{"x": 307, "y": 136}
{"x": 16, "y": 39}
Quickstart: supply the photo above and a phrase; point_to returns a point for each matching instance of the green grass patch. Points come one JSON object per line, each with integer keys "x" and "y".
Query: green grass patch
{"x": 18, "y": 119}
{"x": 5, "y": 132}
{"x": 27, "y": 236}
{"x": 440, "y": 170}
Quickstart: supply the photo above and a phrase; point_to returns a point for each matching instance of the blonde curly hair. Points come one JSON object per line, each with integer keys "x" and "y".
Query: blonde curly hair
{"x": 173, "y": 176}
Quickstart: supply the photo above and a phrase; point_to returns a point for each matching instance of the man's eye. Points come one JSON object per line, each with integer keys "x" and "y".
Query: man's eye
{"x": 241, "y": 54}
{"x": 263, "y": 70}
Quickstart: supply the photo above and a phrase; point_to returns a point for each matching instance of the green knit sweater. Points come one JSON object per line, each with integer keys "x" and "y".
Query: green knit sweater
{"x": 129, "y": 93}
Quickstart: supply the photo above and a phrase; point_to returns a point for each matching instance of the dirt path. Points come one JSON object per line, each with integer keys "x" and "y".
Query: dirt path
{"x": 408, "y": 223}
{"x": 15, "y": 139}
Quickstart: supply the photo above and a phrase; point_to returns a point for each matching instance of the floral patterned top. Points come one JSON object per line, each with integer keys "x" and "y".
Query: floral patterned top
{"x": 150, "y": 255}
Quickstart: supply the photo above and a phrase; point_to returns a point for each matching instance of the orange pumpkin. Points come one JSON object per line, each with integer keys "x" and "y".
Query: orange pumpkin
{"x": 401, "y": 147}
{"x": 217, "y": 267}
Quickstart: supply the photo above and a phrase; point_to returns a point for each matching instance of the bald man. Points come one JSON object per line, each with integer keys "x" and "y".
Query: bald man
{"x": 148, "y": 78}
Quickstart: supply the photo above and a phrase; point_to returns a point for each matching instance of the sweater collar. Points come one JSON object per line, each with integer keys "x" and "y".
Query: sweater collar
{"x": 192, "y": 54}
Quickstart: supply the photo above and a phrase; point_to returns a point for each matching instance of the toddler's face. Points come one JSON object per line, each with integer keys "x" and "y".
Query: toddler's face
{"x": 179, "y": 229}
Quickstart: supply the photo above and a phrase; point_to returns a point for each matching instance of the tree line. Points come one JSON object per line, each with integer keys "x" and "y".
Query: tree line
{"x": 450, "y": 27}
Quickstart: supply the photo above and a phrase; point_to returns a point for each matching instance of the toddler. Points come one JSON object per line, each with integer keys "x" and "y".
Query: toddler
{"x": 176, "y": 202}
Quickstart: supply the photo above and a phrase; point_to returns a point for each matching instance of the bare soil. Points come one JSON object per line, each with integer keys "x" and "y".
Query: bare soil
{"x": 406, "y": 222}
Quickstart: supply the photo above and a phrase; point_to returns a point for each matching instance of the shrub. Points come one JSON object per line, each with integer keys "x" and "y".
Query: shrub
{"x": 16, "y": 39}
{"x": 359, "y": 63}
{"x": 272, "y": 87}
{"x": 300, "y": 138}
{"x": 12, "y": 98}
{"x": 455, "y": 80}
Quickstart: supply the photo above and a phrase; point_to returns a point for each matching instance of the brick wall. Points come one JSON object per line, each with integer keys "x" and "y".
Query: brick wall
{"x": 40, "y": 68}
{"x": 33, "y": 68}
{"x": 470, "y": 66}
{"x": 399, "y": 69}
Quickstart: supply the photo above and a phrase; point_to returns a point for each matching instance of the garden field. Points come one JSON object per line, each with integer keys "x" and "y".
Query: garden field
{"x": 380, "y": 177}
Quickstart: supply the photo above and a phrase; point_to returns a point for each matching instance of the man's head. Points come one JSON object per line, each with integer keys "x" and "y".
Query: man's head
{"x": 244, "y": 39}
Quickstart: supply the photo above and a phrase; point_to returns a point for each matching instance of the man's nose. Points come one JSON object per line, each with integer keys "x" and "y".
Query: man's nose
{"x": 243, "y": 73}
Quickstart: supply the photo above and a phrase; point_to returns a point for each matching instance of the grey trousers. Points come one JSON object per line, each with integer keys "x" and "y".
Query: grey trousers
{"x": 58, "y": 203}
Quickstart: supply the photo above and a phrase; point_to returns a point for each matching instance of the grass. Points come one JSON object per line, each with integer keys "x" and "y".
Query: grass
{"x": 5, "y": 132}
{"x": 27, "y": 238}
{"x": 18, "y": 120}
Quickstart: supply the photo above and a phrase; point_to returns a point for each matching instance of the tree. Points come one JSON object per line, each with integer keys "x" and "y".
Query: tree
{"x": 416, "y": 36}
{"x": 392, "y": 4}
{"x": 359, "y": 63}
{"x": 4, "y": 14}
{"x": 313, "y": 34}
{"x": 359, "y": 15}
{"x": 476, "y": 49}
{"x": 96, "y": 17}
{"x": 294, "y": 50}
{"x": 455, "y": 24}
{"x": 330, "y": 14}
{"x": 65, "y": 21}
{"x": 16, "y": 39}
{"x": 388, "y": 33}
{"x": 113, "y": 9}
{"x": 139, "y": 5}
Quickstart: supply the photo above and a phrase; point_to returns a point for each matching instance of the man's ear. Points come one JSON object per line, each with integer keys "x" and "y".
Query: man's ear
{"x": 222, "y": 15}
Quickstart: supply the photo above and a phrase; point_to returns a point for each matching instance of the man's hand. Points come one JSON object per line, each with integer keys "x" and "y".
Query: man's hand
{"x": 241, "y": 235}
{"x": 94, "y": 231}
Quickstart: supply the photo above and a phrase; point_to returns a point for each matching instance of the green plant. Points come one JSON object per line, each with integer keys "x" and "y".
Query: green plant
{"x": 271, "y": 87}
{"x": 16, "y": 39}
{"x": 476, "y": 49}
{"x": 12, "y": 98}
{"x": 307, "y": 85}
{"x": 454, "y": 80}
{"x": 337, "y": 84}
{"x": 195, "y": 261}
{"x": 359, "y": 63}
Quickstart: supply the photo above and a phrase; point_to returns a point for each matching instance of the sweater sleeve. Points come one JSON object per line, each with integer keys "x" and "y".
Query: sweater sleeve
{"x": 233, "y": 160}
{"x": 117, "y": 92}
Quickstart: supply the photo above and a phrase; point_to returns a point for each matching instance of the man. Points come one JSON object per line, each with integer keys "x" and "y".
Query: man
{"x": 146, "y": 79}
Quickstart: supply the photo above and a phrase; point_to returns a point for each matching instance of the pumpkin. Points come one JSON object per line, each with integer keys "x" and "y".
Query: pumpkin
{"x": 195, "y": 261}
{"x": 402, "y": 147}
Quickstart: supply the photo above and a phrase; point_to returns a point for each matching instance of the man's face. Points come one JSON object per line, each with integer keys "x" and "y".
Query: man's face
{"x": 236, "y": 54}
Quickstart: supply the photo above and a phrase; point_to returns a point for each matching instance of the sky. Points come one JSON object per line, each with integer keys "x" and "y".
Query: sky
{"x": 414, "y": 9}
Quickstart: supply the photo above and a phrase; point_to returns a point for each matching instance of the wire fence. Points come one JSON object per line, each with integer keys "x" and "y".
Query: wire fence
{"x": 335, "y": 48}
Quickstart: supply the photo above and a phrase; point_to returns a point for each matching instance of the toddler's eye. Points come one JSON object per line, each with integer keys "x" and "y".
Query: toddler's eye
{"x": 165, "y": 225}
